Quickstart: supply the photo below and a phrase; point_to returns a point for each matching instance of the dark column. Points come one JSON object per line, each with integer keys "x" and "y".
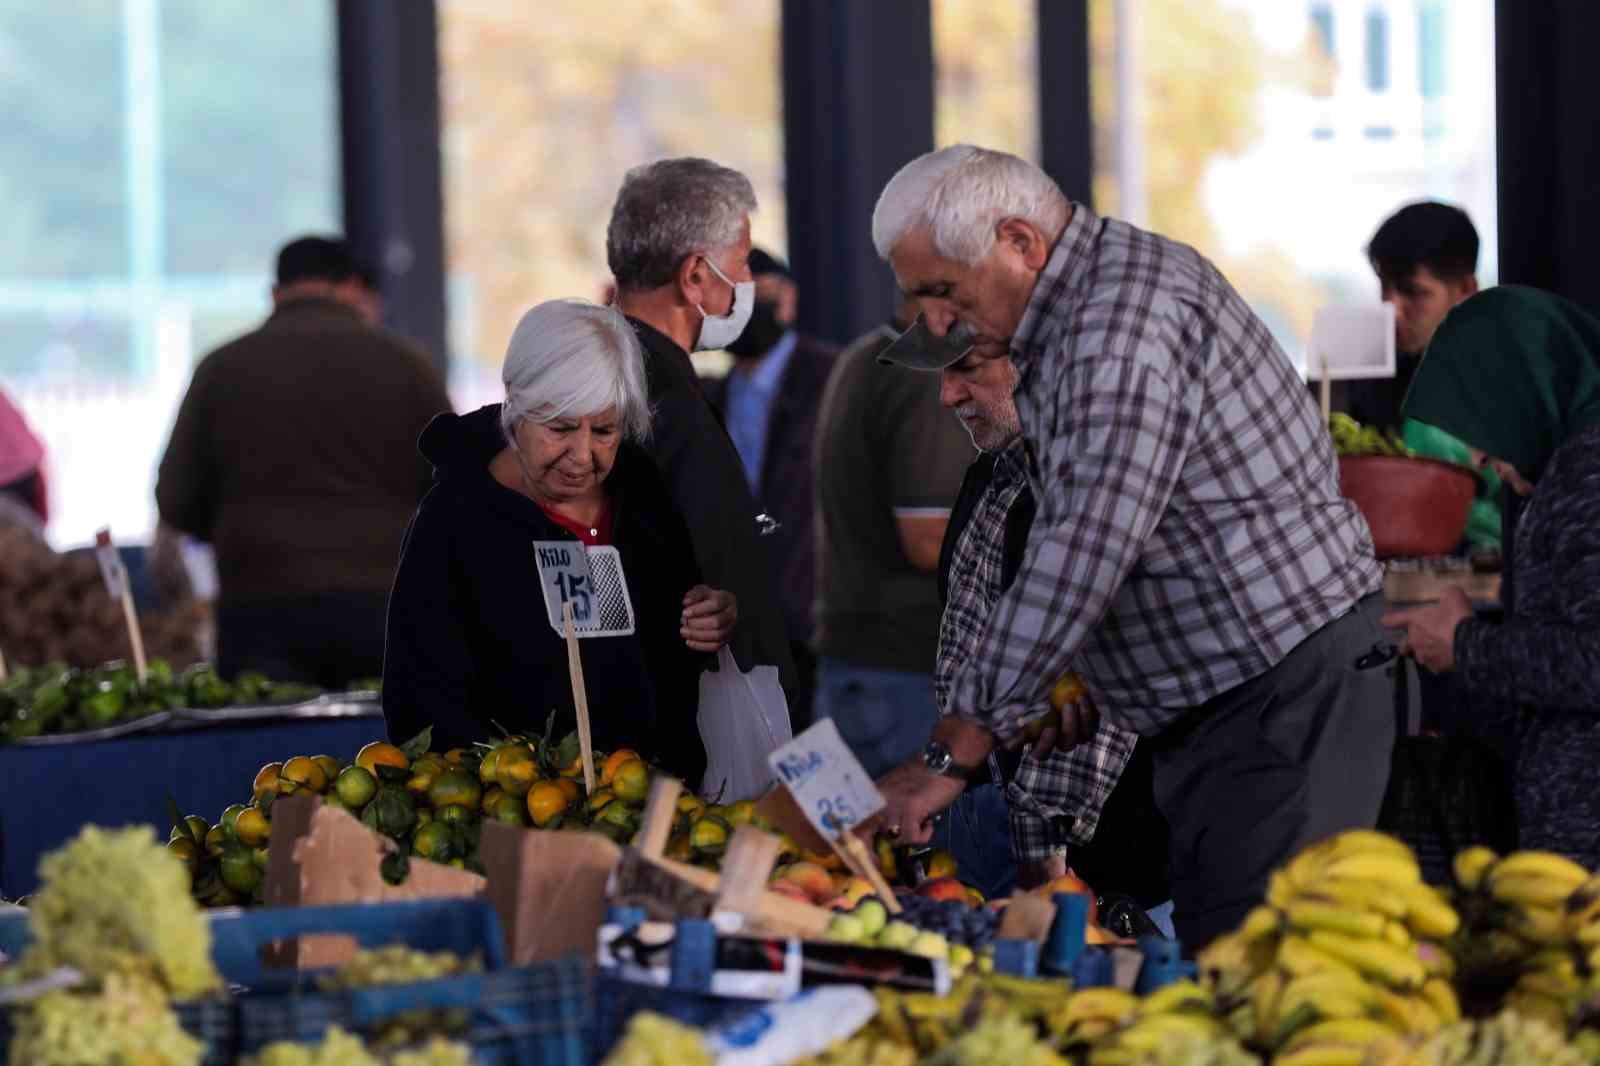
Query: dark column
{"x": 1547, "y": 90}
{"x": 858, "y": 105}
{"x": 1066, "y": 124}
{"x": 393, "y": 192}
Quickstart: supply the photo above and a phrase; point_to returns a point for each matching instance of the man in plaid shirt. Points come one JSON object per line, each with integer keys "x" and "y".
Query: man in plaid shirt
{"x": 1191, "y": 555}
{"x": 1056, "y": 799}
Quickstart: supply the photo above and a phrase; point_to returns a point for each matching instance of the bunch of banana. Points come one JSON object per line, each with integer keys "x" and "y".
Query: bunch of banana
{"x": 1002, "y": 1041}
{"x": 1168, "y": 1021}
{"x": 1505, "y": 1040}
{"x": 862, "y": 1051}
{"x": 928, "y": 1023}
{"x": 1532, "y": 889}
{"x": 1090, "y": 1014}
{"x": 1344, "y": 955}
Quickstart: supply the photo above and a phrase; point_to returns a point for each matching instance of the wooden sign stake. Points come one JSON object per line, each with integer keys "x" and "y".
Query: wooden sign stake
{"x": 135, "y": 634}
{"x": 580, "y": 699}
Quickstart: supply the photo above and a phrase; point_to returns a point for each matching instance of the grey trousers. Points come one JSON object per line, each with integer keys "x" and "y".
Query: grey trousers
{"x": 1254, "y": 775}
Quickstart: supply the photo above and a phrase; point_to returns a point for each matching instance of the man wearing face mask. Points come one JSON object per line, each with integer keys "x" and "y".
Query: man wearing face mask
{"x": 770, "y": 400}
{"x": 678, "y": 245}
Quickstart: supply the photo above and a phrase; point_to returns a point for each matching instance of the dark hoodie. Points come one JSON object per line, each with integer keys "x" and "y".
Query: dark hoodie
{"x": 469, "y": 640}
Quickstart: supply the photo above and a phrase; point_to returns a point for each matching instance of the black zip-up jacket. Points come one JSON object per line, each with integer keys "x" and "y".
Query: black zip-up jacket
{"x": 470, "y": 644}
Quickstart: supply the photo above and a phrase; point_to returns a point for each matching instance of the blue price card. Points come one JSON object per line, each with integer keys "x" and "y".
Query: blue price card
{"x": 826, "y": 780}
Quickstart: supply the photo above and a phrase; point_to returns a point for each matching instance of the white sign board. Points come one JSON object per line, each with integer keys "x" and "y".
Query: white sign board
{"x": 591, "y": 579}
{"x": 826, "y": 779}
{"x": 1351, "y": 342}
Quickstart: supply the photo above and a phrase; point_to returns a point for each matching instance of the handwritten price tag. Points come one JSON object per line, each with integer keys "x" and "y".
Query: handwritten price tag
{"x": 564, "y": 573}
{"x": 830, "y": 786}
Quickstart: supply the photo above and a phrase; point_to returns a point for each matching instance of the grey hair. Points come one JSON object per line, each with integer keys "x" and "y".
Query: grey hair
{"x": 669, "y": 210}
{"x": 572, "y": 358}
{"x": 960, "y": 194}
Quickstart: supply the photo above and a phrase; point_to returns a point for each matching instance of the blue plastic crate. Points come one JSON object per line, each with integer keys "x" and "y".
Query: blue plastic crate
{"x": 212, "y": 1021}
{"x": 539, "y": 1015}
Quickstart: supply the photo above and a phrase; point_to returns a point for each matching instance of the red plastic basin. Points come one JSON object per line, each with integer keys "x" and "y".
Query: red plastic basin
{"x": 1416, "y": 507}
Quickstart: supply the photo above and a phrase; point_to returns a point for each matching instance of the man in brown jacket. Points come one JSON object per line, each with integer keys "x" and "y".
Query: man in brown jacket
{"x": 295, "y": 455}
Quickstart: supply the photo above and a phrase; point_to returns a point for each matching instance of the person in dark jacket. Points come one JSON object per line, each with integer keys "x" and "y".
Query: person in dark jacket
{"x": 678, "y": 245}
{"x": 770, "y": 402}
{"x": 1515, "y": 374}
{"x": 294, "y": 455}
{"x": 471, "y": 644}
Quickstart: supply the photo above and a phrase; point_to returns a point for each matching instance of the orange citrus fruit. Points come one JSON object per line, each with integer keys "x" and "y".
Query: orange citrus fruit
{"x": 266, "y": 780}
{"x": 230, "y": 815}
{"x": 601, "y": 797}
{"x": 455, "y": 814}
{"x": 488, "y": 765}
{"x": 740, "y": 813}
{"x": 330, "y": 765}
{"x": 608, "y": 769}
{"x": 379, "y": 753}
{"x": 251, "y": 828}
{"x": 491, "y": 796}
{"x": 185, "y": 850}
{"x": 216, "y": 840}
{"x": 355, "y": 787}
{"x": 516, "y": 770}
{"x": 573, "y": 790}
{"x": 434, "y": 842}
{"x": 631, "y": 781}
{"x": 508, "y": 809}
{"x": 941, "y": 864}
{"x": 194, "y": 827}
{"x": 455, "y": 788}
{"x": 690, "y": 806}
{"x": 455, "y": 756}
{"x": 301, "y": 772}
{"x": 547, "y": 802}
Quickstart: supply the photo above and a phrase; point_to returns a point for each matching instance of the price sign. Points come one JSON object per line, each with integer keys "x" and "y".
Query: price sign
{"x": 105, "y": 554}
{"x": 827, "y": 781}
{"x": 565, "y": 576}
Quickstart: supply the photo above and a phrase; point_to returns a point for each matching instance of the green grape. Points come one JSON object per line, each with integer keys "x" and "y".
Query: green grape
{"x": 338, "y": 1048}
{"x": 654, "y": 1040}
{"x": 127, "y": 1023}
{"x": 116, "y": 902}
{"x": 398, "y": 964}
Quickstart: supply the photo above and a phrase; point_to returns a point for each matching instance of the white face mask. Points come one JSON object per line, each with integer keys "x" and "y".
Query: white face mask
{"x": 719, "y": 331}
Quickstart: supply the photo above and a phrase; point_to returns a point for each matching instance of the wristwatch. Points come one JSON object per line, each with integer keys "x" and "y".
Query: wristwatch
{"x": 938, "y": 758}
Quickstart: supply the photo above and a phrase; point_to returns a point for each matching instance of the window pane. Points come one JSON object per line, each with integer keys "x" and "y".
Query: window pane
{"x": 155, "y": 155}
{"x": 986, "y": 88}
{"x": 545, "y": 107}
{"x": 1284, "y": 164}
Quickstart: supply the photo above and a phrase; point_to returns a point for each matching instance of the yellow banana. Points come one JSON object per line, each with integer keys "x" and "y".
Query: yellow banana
{"x": 1377, "y": 867}
{"x": 1178, "y": 996}
{"x": 1260, "y": 923}
{"x": 1441, "y": 996}
{"x": 1359, "y": 894}
{"x": 1109, "y": 1003}
{"x": 1307, "y": 914}
{"x": 1149, "y": 1033}
{"x": 1280, "y": 891}
{"x": 1556, "y": 961}
{"x": 1426, "y": 914}
{"x": 1323, "y": 1055}
{"x": 1300, "y": 957}
{"x": 1436, "y": 960}
{"x": 1266, "y": 991}
{"x": 1305, "y": 869}
{"x": 1547, "y": 1009}
{"x": 1410, "y": 1014}
{"x": 1472, "y": 865}
{"x": 1397, "y": 934}
{"x": 1364, "y": 841}
{"x": 1544, "y": 926}
{"x": 1555, "y": 986}
{"x": 1545, "y": 864}
{"x": 1328, "y": 985}
{"x": 1531, "y": 890}
{"x": 1376, "y": 958}
{"x": 1357, "y": 1031}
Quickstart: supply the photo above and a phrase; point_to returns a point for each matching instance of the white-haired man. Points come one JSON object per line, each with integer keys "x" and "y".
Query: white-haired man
{"x": 1191, "y": 556}
{"x": 678, "y": 245}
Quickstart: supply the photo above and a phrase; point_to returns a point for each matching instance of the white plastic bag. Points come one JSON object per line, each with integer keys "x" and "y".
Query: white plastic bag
{"x": 743, "y": 717}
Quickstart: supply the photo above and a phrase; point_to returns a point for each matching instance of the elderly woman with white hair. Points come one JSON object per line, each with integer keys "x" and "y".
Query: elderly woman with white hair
{"x": 470, "y": 646}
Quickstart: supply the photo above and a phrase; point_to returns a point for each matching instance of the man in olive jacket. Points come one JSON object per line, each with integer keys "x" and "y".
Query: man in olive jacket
{"x": 295, "y": 455}
{"x": 679, "y": 247}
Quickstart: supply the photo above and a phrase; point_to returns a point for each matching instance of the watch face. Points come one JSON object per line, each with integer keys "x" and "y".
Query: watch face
{"x": 937, "y": 757}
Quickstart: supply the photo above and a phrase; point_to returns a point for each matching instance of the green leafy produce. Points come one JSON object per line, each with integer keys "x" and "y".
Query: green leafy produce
{"x": 1352, "y": 438}
{"x": 128, "y": 1022}
{"x": 116, "y": 903}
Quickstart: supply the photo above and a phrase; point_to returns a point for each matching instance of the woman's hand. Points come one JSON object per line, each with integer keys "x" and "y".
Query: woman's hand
{"x": 709, "y": 616}
{"x": 1431, "y": 631}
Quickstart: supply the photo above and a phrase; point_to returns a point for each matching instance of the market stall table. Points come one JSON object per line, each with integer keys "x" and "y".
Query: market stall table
{"x": 48, "y": 793}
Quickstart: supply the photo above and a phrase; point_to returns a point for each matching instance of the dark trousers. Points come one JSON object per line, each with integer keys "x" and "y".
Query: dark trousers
{"x": 1256, "y": 774}
{"x": 329, "y": 639}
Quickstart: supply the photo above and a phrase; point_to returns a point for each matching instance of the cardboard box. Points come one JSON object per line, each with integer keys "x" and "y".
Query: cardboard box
{"x": 548, "y": 888}
{"x": 322, "y": 855}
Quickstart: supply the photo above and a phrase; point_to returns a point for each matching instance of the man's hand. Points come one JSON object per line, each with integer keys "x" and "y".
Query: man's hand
{"x": 912, "y": 795}
{"x": 1032, "y": 875}
{"x": 1431, "y": 631}
{"x": 1074, "y": 724}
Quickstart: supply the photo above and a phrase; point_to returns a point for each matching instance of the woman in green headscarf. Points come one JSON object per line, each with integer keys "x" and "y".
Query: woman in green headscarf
{"x": 1515, "y": 374}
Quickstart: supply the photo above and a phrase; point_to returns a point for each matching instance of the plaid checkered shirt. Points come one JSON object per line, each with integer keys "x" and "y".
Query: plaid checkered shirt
{"x": 1056, "y": 801}
{"x": 1190, "y": 531}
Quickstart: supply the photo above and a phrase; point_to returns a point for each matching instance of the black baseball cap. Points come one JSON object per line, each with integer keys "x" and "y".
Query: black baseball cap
{"x": 919, "y": 349}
